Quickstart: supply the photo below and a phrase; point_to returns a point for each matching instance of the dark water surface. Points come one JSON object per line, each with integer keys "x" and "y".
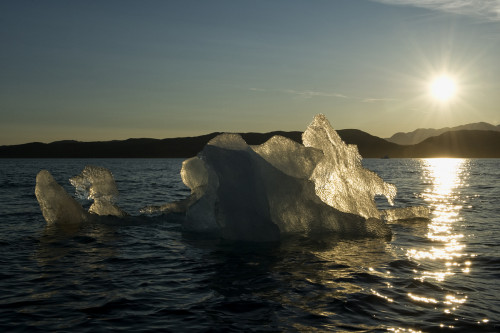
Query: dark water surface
{"x": 143, "y": 274}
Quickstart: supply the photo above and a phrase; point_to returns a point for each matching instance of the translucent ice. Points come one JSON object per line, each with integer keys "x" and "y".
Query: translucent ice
{"x": 290, "y": 157}
{"x": 195, "y": 176}
{"x": 98, "y": 184}
{"x": 407, "y": 213}
{"x": 56, "y": 204}
{"x": 340, "y": 179}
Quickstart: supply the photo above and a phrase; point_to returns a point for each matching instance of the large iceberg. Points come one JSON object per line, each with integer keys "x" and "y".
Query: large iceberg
{"x": 254, "y": 193}
{"x": 283, "y": 187}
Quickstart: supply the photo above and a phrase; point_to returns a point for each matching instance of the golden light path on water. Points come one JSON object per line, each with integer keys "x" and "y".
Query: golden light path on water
{"x": 441, "y": 259}
{"x": 445, "y": 177}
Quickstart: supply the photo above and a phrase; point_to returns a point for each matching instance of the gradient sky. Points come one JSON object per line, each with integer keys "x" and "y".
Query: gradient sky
{"x": 102, "y": 70}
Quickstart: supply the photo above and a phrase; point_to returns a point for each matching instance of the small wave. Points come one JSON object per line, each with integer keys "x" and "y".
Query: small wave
{"x": 109, "y": 306}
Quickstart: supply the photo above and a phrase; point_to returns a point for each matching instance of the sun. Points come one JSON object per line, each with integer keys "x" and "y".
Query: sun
{"x": 443, "y": 88}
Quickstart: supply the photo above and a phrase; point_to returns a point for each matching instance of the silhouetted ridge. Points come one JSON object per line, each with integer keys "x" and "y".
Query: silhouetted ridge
{"x": 134, "y": 148}
{"x": 369, "y": 145}
{"x": 420, "y": 134}
{"x": 465, "y": 143}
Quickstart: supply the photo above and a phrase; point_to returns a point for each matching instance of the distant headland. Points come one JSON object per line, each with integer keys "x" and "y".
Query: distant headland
{"x": 420, "y": 134}
{"x": 458, "y": 143}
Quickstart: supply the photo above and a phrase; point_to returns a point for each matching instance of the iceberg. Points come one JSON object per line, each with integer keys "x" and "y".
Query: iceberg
{"x": 56, "y": 204}
{"x": 283, "y": 187}
{"x": 94, "y": 183}
{"x": 254, "y": 193}
{"x": 97, "y": 184}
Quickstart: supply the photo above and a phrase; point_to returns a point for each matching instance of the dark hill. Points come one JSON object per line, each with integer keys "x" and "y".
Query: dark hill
{"x": 420, "y": 134}
{"x": 465, "y": 143}
{"x": 450, "y": 144}
{"x": 368, "y": 145}
{"x": 133, "y": 148}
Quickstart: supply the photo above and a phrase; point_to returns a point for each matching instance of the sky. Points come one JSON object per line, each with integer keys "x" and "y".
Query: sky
{"x": 101, "y": 69}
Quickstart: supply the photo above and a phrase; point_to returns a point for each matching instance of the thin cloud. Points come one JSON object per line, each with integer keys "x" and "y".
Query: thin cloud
{"x": 303, "y": 93}
{"x": 377, "y": 100}
{"x": 485, "y": 9}
{"x": 311, "y": 93}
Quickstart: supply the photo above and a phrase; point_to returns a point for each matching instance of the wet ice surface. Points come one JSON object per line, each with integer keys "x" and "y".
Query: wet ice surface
{"x": 97, "y": 184}
{"x": 56, "y": 204}
{"x": 341, "y": 180}
{"x": 407, "y": 213}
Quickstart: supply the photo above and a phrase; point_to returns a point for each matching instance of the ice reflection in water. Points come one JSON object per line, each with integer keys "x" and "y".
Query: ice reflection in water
{"x": 446, "y": 178}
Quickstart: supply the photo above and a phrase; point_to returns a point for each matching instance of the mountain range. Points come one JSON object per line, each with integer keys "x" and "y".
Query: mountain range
{"x": 420, "y": 134}
{"x": 455, "y": 143}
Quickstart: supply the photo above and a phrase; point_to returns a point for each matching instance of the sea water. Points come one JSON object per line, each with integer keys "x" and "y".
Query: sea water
{"x": 143, "y": 273}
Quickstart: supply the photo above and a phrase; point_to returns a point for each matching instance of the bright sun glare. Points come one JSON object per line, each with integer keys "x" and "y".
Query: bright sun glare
{"x": 443, "y": 88}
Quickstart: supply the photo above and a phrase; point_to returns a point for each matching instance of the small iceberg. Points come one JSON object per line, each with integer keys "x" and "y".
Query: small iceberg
{"x": 97, "y": 184}
{"x": 56, "y": 204}
{"x": 94, "y": 183}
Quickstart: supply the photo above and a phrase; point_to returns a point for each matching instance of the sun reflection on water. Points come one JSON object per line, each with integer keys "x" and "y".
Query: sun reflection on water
{"x": 445, "y": 178}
